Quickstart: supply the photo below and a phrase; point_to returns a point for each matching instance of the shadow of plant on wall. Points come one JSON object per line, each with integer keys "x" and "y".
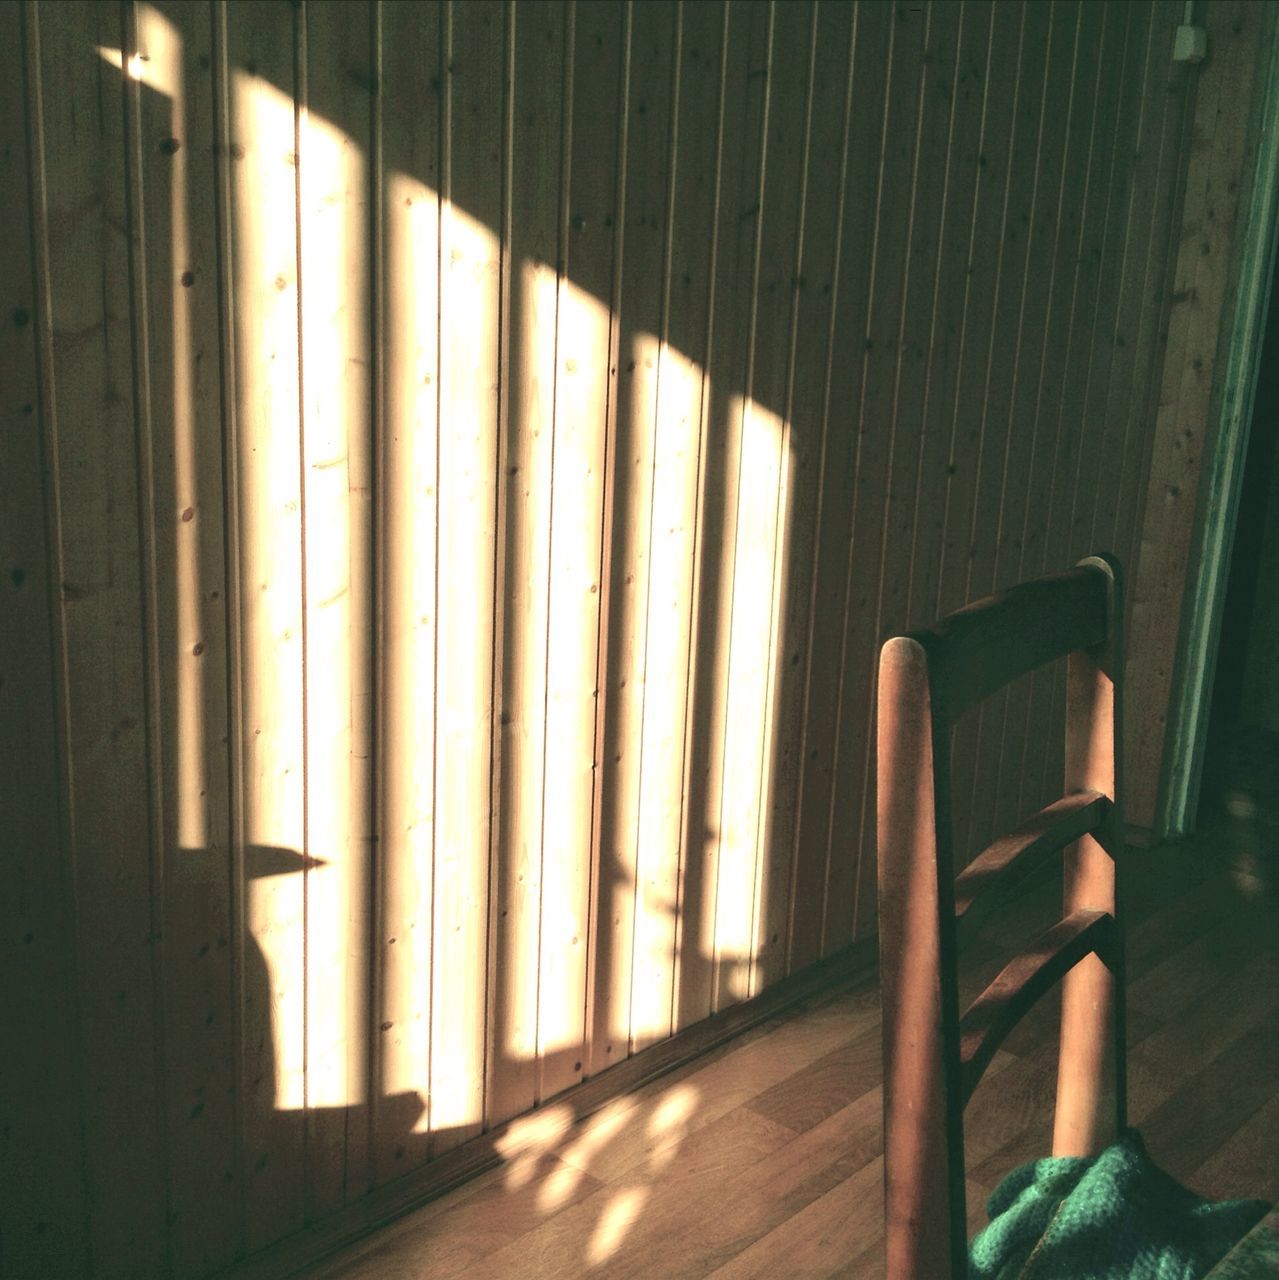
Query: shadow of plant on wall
{"x": 603, "y": 1166}
{"x": 468, "y": 690}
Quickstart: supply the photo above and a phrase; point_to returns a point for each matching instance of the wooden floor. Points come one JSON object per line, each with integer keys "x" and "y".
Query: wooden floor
{"x": 762, "y": 1159}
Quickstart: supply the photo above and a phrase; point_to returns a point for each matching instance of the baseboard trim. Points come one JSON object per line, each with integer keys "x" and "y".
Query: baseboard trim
{"x": 347, "y": 1227}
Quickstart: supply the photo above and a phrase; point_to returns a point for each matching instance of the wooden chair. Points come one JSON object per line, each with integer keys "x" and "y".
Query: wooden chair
{"x": 933, "y": 1055}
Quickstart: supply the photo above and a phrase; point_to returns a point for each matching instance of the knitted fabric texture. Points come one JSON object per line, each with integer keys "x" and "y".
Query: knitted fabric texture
{"x": 1112, "y": 1215}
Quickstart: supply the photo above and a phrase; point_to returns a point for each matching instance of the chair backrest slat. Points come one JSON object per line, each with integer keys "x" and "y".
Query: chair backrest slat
{"x": 1008, "y": 860}
{"x": 984, "y": 646}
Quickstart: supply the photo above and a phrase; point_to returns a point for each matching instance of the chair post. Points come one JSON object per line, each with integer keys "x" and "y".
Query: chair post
{"x": 1091, "y": 1105}
{"x": 925, "y": 1225}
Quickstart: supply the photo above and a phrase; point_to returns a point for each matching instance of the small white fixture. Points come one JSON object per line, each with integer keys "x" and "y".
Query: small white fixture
{"x": 1190, "y": 45}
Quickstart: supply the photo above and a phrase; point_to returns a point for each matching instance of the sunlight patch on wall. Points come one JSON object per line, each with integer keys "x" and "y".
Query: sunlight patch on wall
{"x": 624, "y": 686}
{"x": 469, "y": 310}
{"x": 581, "y": 391}
{"x": 523, "y": 624}
{"x": 334, "y": 396}
{"x": 266, "y": 333}
{"x": 668, "y": 617}
{"x": 747, "y": 760}
{"x": 302, "y": 392}
{"x": 412, "y": 214}
{"x": 158, "y": 64}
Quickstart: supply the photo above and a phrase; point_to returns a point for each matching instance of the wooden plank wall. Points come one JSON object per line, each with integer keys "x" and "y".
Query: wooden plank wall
{"x": 459, "y": 462}
{"x": 1191, "y": 403}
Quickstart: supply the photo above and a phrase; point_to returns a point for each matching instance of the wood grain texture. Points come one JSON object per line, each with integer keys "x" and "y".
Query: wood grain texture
{"x": 173, "y": 123}
{"x": 811, "y": 444}
{"x": 337, "y": 458}
{"x": 825, "y": 851}
{"x": 43, "y": 1141}
{"x": 106, "y": 620}
{"x": 742, "y": 116}
{"x": 258, "y": 149}
{"x": 533, "y": 158}
{"x": 474, "y": 278}
{"x": 906, "y": 127}
{"x": 407, "y": 395}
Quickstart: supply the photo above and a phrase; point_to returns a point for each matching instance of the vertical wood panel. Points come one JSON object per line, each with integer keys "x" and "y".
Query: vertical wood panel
{"x": 885, "y": 314}
{"x": 1135, "y": 161}
{"x": 969, "y": 259}
{"x": 1022, "y": 478}
{"x": 673, "y": 520}
{"x": 1001, "y": 355}
{"x": 962, "y": 288}
{"x": 260, "y": 153}
{"x": 42, "y": 1141}
{"x": 707, "y": 57}
{"x": 525, "y": 521}
{"x": 759, "y": 888}
{"x": 584, "y": 378}
{"x": 757, "y": 467}
{"x": 332, "y": 159}
{"x": 1002, "y": 103}
{"x": 471, "y": 297}
{"x": 178, "y": 316}
{"x": 974, "y": 448}
{"x": 916, "y": 366}
{"x": 1133, "y": 166}
{"x": 732, "y": 302}
{"x": 1159, "y": 296}
{"x": 1088, "y": 54}
{"x": 84, "y": 175}
{"x": 411, "y": 78}
{"x": 1095, "y": 235}
{"x": 820, "y": 848}
{"x": 622, "y": 683}
{"x": 826, "y": 200}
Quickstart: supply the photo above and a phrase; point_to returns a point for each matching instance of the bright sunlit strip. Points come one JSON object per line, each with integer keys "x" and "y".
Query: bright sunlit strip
{"x": 332, "y": 387}
{"x": 744, "y": 753}
{"x": 580, "y": 401}
{"x": 266, "y": 342}
{"x": 526, "y": 540}
{"x": 412, "y": 376}
{"x": 159, "y": 64}
{"x": 468, "y": 444}
{"x": 626, "y": 678}
{"x": 666, "y": 685}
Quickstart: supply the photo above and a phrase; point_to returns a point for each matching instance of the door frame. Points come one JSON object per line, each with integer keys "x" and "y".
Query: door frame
{"x": 1192, "y": 687}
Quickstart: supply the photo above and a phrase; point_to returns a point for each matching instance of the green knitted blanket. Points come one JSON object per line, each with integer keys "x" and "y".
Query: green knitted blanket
{"x": 1112, "y": 1215}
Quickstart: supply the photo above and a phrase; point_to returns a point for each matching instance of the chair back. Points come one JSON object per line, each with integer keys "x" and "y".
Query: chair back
{"x": 934, "y": 1056}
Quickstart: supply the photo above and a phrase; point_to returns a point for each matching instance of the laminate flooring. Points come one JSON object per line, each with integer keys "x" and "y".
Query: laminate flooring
{"x": 762, "y": 1158}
